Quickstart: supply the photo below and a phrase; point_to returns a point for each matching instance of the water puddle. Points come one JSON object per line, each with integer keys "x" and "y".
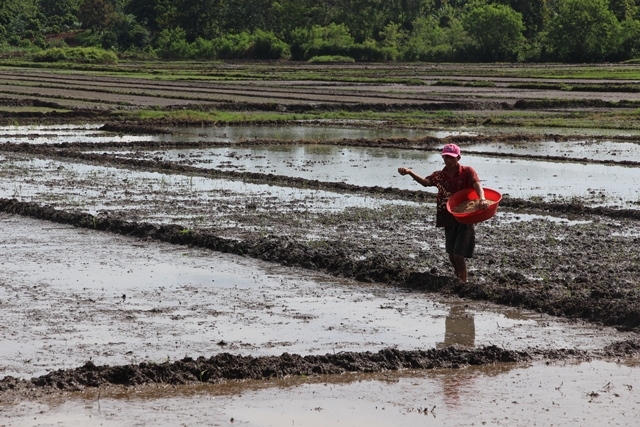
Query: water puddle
{"x": 510, "y": 217}
{"x": 72, "y": 295}
{"x": 594, "y": 184}
{"x": 567, "y": 394}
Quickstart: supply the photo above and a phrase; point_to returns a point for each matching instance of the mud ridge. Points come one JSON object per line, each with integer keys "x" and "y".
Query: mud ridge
{"x": 225, "y": 366}
{"x": 539, "y": 104}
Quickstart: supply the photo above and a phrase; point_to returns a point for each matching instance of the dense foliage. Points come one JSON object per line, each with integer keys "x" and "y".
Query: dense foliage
{"x": 363, "y": 30}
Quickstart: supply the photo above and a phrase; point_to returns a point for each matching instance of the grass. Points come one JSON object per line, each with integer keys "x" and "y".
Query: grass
{"x": 473, "y": 83}
{"x": 32, "y": 110}
{"x": 205, "y": 116}
{"x": 323, "y": 59}
{"x": 622, "y": 119}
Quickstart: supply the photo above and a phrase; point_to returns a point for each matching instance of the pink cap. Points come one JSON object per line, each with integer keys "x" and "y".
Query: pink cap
{"x": 451, "y": 150}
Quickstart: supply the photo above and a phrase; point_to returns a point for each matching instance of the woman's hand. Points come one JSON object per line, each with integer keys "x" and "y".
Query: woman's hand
{"x": 403, "y": 171}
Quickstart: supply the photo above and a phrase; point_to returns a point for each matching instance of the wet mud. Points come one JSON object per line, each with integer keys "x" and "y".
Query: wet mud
{"x": 596, "y": 292}
{"x": 587, "y": 271}
{"x": 591, "y": 295}
{"x": 226, "y": 366}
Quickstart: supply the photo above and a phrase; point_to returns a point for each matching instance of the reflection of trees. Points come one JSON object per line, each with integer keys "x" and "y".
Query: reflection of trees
{"x": 324, "y": 150}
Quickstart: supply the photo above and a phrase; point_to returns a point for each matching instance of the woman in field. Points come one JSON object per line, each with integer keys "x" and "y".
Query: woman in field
{"x": 460, "y": 238}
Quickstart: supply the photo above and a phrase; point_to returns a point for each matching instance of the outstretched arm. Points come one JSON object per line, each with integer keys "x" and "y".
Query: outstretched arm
{"x": 419, "y": 179}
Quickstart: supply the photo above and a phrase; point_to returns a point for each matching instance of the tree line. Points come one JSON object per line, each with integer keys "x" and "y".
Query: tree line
{"x": 360, "y": 30}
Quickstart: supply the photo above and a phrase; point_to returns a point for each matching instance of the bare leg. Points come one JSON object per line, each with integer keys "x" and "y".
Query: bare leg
{"x": 459, "y": 266}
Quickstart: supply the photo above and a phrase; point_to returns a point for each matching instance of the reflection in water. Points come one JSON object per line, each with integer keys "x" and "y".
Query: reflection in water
{"x": 460, "y": 330}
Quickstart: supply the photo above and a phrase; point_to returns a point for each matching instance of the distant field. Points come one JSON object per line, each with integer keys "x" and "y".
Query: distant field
{"x": 405, "y": 94}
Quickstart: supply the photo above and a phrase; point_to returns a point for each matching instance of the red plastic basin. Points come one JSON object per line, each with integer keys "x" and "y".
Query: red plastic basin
{"x": 475, "y": 216}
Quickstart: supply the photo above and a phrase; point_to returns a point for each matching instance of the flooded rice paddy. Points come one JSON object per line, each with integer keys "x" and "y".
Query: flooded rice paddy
{"x": 92, "y": 133}
{"x": 517, "y": 169}
{"x": 100, "y": 189}
{"x": 124, "y": 301}
{"x": 72, "y": 295}
{"x": 75, "y": 295}
{"x": 516, "y": 177}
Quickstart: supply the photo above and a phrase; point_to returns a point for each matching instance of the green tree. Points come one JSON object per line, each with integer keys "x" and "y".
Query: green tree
{"x": 629, "y": 39}
{"x": 583, "y": 31}
{"x": 437, "y": 38}
{"x": 623, "y": 9}
{"x": 318, "y": 40}
{"x": 242, "y": 15}
{"x": 199, "y": 18}
{"x": 496, "y": 31}
{"x": 364, "y": 18}
{"x": 58, "y": 15}
{"x": 129, "y": 34}
{"x": 97, "y": 14}
{"x": 51, "y": 8}
{"x": 154, "y": 15}
{"x": 535, "y": 14}
{"x": 404, "y": 12}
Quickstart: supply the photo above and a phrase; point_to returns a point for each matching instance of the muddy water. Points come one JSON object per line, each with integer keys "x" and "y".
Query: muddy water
{"x": 595, "y": 184}
{"x": 518, "y": 177}
{"x": 569, "y": 394}
{"x": 58, "y": 134}
{"x": 72, "y": 295}
{"x": 96, "y": 189}
{"x": 91, "y": 133}
{"x": 615, "y": 151}
{"x": 305, "y": 133}
{"x": 69, "y": 295}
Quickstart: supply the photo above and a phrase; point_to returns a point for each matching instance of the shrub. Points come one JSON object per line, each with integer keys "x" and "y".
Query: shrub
{"x": 76, "y": 54}
{"x": 172, "y": 44}
{"x": 265, "y": 45}
{"x": 329, "y": 58}
{"x": 368, "y": 51}
{"x": 332, "y": 40}
{"x": 88, "y": 39}
{"x": 203, "y": 49}
{"x": 232, "y": 46}
{"x": 146, "y": 54}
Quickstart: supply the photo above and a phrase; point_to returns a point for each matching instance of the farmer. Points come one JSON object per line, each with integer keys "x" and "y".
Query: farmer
{"x": 460, "y": 239}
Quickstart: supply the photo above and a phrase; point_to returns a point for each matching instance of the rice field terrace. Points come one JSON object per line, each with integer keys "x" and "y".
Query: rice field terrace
{"x": 231, "y": 244}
